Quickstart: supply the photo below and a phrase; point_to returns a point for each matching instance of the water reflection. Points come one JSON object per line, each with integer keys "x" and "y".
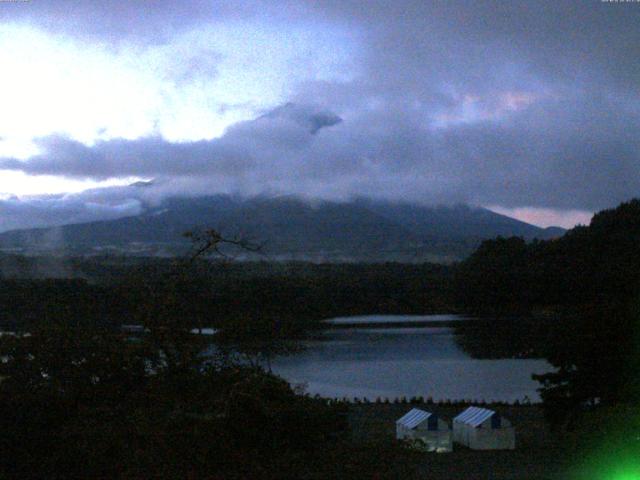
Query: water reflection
{"x": 394, "y": 362}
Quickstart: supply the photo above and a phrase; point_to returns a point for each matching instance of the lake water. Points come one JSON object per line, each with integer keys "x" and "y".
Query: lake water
{"x": 395, "y": 362}
{"x": 389, "y": 319}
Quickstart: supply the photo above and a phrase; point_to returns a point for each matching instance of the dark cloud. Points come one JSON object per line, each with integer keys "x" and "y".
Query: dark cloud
{"x": 558, "y": 153}
{"x": 55, "y": 210}
{"x": 312, "y": 120}
{"x": 471, "y": 42}
{"x": 285, "y": 133}
{"x": 143, "y": 21}
{"x": 503, "y": 103}
{"x": 114, "y": 19}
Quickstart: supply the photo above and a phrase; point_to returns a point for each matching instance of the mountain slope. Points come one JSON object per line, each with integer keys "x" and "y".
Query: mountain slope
{"x": 288, "y": 227}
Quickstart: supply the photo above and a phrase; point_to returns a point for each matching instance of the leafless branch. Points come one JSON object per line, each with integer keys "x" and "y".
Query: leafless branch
{"x": 209, "y": 241}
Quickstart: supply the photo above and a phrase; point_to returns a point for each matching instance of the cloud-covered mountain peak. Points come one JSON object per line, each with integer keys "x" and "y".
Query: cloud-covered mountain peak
{"x": 309, "y": 116}
{"x": 289, "y": 227}
{"x": 143, "y": 184}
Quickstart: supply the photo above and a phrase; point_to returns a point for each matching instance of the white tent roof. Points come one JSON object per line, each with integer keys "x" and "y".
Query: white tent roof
{"x": 474, "y": 416}
{"x": 413, "y": 418}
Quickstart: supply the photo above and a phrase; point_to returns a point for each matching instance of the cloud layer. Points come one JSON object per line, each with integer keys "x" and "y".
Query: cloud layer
{"x": 537, "y": 157}
{"x": 515, "y": 105}
{"x": 55, "y": 210}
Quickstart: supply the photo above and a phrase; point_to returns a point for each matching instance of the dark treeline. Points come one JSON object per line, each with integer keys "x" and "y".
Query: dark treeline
{"x": 87, "y": 403}
{"x": 599, "y": 263}
{"x": 212, "y": 294}
{"x": 583, "y": 291}
{"x": 82, "y": 399}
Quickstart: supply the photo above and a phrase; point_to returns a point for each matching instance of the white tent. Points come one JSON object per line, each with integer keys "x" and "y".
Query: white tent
{"x": 483, "y": 429}
{"x": 425, "y": 430}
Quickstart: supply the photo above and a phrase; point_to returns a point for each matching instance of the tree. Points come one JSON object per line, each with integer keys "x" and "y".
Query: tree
{"x": 596, "y": 343}
{"x": 495, "y": 276}
{"x": 80, "y": 398}
{"x": 589, "y": 282}
{"x": 596, "y": 353}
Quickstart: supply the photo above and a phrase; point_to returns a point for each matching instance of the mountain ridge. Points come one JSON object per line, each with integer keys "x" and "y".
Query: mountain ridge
{"x": 289, "y": 227}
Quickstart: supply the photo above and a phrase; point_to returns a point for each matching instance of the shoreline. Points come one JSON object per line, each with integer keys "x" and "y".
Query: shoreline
{"x": 420, "y": 400}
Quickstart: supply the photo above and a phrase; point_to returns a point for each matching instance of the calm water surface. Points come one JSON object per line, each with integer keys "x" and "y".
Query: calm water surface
{"x": 394, "y": 362}
{"x": 369, "y": 319}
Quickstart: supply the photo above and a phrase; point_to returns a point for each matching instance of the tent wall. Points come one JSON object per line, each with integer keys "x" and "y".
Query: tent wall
{"x": 433, "y": 441}
{"x": 430, "y": 440}
{"x": 460, "y": 433}
{"x": 438, "y": 440}
{"x": 484, "y": 437}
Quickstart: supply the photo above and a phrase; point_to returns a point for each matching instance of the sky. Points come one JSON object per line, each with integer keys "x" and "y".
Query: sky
{"x": 529, "y": 108}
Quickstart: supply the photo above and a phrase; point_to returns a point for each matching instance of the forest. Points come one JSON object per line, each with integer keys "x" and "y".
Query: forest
{"x": 75, "y": 386}
{"x": 587, "y": 285}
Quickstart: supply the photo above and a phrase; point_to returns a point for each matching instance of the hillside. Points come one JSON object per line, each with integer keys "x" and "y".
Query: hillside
{"x": 288, "y": 228}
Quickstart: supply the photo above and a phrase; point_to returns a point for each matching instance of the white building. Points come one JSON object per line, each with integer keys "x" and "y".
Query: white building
{"x": 425, "y": 430}
{"x": 483, "y": 429}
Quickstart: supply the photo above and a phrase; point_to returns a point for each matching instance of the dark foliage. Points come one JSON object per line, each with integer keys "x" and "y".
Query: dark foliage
{"x": 587, "y": 285}
{"x": 82, "y": 398}
{"x": 299, "y": 295}
{"x": 78, "y": 401}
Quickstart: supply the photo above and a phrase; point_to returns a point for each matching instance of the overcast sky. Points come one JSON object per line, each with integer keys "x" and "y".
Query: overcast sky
{"x": 531, "y": 108}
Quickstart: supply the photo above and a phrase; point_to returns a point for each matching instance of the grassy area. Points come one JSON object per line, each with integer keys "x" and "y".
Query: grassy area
{"x": 538, "y": 453}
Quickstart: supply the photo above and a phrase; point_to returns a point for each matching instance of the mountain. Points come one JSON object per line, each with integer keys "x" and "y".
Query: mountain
{"x": 288, "y": 228}
{"x": 553, "y": 232}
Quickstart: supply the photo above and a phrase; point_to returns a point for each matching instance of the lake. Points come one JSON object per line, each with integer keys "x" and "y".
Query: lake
{"x": 390, "y": 362}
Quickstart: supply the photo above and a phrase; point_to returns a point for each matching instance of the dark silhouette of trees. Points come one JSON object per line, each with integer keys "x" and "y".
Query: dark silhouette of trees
{"x": 495, "y": 276}
{"x": 588, "y": 282}
{"x": 80, "y": 398}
